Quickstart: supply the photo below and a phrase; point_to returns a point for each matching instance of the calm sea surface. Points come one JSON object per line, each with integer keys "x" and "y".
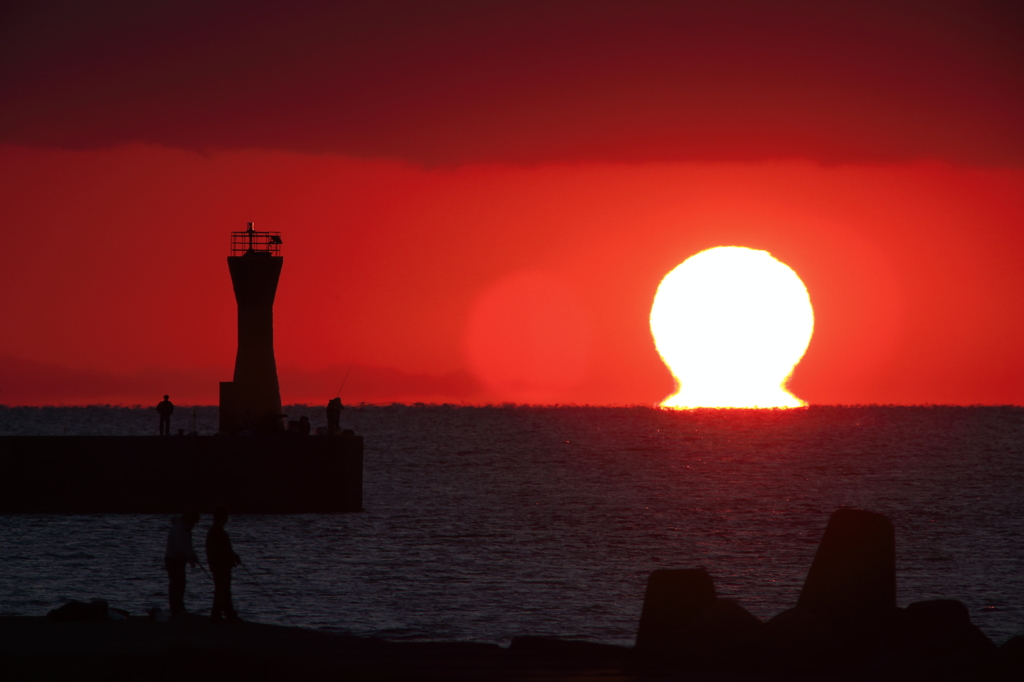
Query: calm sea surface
{"x": 488, "y": 523}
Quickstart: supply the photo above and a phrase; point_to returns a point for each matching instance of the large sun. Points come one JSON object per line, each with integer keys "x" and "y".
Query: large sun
{"x": 731, "y": 323}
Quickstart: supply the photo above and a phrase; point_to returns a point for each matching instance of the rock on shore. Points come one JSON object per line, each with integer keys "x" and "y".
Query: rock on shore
{"x": 846, "y": 623}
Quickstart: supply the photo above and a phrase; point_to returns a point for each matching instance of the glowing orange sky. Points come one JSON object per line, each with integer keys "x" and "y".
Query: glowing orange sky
{"x": 117, "y": 270}
{"x": 576, "y": 151}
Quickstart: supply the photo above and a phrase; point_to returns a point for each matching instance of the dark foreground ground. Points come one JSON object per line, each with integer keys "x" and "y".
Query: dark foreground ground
{"x": 194, "y": 648}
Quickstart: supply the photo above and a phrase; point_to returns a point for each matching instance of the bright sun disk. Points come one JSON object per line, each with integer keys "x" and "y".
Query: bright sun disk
{"x": 731, "y": 323}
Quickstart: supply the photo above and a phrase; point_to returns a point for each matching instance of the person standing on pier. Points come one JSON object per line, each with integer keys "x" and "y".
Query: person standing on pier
{"x": 165, "y": 409}
{"x": 179, "y": 552}
{"x": 334, "y": 416}
{"x": 222, "y": 559}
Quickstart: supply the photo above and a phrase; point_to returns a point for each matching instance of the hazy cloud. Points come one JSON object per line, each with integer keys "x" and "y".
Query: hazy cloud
{"x": 26, "y": 382}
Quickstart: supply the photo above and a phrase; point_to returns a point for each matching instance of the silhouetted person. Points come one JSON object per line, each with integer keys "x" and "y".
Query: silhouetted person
{"x": 165, "y": 408}
{"x": 179, "y": 552}
{"x": 304, "y": 426}
{"x": 334, "y": 416}
{"x": 222, "y": 559}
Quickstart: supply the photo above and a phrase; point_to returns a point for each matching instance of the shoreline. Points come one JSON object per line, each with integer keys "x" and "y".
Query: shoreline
{"x": 845, "y": 625}
{"x": 196, "y": 648}
{"x": 193, "y": 647}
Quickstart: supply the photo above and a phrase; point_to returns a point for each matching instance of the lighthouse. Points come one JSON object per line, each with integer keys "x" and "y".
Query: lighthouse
{"x": 251, "y": 401}
{"x": 151, "y": 475}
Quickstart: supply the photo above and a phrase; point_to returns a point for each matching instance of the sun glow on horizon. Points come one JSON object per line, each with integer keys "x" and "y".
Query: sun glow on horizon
{"x": 731, "y": 323}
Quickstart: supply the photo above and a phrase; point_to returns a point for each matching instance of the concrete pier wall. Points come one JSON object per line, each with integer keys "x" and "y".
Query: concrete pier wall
{"x": 150, "y": 474}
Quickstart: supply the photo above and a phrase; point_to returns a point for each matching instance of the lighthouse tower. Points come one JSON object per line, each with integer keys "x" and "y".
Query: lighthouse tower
{"x": 252, "y": 400}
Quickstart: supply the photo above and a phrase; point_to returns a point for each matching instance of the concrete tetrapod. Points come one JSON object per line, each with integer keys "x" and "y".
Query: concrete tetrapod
{"x": 852, "y": 579}
{"x": 673, "y": 599}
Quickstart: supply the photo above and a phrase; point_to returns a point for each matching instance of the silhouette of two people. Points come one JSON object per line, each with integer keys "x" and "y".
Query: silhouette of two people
{"x": 179, "y": 553}
{"x": 165, "y": 409}
{"x": 222, "y": 558}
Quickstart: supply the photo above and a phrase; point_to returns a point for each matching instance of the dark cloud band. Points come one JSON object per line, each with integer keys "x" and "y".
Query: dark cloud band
{"x": 455, "y": 82}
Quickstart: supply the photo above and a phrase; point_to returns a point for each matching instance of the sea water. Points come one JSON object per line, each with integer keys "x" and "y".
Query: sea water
{"x": 486, "y": 523}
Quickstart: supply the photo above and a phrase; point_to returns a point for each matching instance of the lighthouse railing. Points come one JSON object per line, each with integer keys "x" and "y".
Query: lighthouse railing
{"x": 251, "y": 241}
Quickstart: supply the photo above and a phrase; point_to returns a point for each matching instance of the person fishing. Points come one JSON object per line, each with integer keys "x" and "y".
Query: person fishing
{"x": 334, "y": 407}
{"x": 222, "y": 558}
{"x": 334, "y": 416}
{"x": 165, "y": 409}
{"x": 179, "y": 552}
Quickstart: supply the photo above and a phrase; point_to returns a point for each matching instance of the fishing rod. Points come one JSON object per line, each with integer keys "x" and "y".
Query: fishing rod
{"x": 261, "y": 586}
{"x": 345, "y": 380}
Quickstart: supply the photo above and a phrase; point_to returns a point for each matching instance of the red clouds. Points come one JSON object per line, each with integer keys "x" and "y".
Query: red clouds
{"x": 524, "y": 82}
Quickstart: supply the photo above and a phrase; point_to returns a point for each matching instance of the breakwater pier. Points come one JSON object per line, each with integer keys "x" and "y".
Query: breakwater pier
{"x": 155, "y": 475}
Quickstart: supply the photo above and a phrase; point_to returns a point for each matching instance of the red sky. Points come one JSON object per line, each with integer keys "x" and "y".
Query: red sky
{"x": 454, "y": 181}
